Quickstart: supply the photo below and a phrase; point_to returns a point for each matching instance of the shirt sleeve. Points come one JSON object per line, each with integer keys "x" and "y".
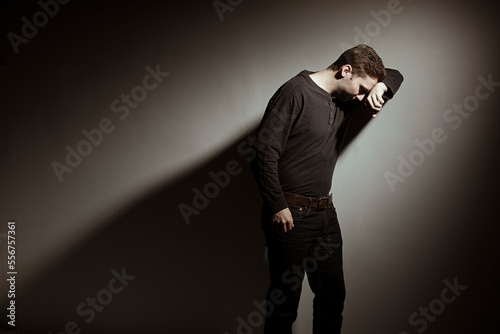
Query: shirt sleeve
{"x": 393, "y": 80}
{"x": 270, "y": 143}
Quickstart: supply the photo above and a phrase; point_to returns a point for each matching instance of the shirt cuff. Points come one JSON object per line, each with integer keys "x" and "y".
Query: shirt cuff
{"x": 278, "y": 205}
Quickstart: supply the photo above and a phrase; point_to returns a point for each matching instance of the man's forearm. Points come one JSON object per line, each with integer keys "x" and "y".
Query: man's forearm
{"x": 265, "y": 168}
{"x": 393, "y": 80}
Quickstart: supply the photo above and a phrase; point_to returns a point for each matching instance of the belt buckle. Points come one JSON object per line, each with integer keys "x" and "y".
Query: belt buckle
{"x": 324, "y": 198}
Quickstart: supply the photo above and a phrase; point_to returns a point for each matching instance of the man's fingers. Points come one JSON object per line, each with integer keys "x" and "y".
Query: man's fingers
{"x": 286, "y": 226}
{"x": 282, "y": 226}
{"x": 370, "y": 102}
{"x": 282, "y": 221}
{"x": 375, "y": 102}
{"x": 380, "y": 101}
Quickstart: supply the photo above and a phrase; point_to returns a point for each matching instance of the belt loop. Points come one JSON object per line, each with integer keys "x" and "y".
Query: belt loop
{"x": 309, "y": 202}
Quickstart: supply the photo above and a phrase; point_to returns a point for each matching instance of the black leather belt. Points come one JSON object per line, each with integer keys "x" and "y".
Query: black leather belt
{"x": 311, "y": 202}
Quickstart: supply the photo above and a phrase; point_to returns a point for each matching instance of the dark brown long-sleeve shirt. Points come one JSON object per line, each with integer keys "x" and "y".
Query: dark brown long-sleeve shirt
{"x": 298, "y": 139}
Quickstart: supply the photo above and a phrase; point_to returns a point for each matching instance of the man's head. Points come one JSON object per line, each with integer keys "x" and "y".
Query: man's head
{"x": 363, "y": 60}
{"x": 358, "y": 69}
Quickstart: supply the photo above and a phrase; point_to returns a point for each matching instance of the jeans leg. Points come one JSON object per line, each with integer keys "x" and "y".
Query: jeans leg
{"x": 286, "y": 275}
{"x": 286, "y": 254}
{"x": 327, "y": 281}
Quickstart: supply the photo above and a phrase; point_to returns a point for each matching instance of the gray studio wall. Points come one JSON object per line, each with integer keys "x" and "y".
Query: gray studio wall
{"x": 401, "y": 243}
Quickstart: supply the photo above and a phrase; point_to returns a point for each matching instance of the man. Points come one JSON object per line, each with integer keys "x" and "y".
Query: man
{"x": 297, "y": 146}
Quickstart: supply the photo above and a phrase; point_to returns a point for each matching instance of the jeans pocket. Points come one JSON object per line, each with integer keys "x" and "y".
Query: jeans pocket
{"x": 298, "y": 212}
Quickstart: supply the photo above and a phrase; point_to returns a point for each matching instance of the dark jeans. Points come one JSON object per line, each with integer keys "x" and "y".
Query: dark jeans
{"x": 312, "y": 247}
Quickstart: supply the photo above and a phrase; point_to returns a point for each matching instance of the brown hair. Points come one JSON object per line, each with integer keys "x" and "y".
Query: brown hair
{"x": 364, "y": 61}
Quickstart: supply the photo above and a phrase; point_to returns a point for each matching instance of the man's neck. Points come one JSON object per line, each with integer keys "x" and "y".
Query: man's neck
{"x": 325, "y": 79}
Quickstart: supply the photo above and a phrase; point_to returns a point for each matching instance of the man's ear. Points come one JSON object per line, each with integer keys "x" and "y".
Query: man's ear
{"x": 346, "y": 69}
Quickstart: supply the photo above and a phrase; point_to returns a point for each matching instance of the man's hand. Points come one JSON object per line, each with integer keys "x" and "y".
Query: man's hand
{"x": 282, "y": 221}
{"x": 374, "y": 97}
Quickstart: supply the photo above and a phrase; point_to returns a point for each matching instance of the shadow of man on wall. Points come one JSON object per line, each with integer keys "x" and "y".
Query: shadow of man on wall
{"x": 189, "y": 258}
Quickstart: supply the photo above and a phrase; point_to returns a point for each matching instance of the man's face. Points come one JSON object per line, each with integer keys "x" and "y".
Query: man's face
{"x": 354, "y": 87}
